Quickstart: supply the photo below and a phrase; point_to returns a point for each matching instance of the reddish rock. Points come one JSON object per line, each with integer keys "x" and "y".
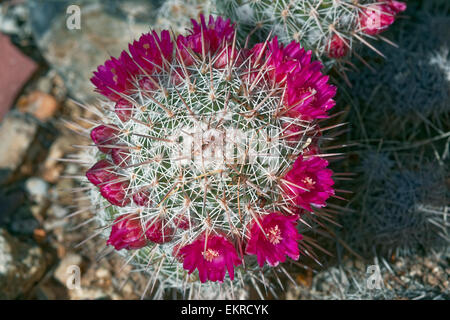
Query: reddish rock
{"x": 15, "y": 70}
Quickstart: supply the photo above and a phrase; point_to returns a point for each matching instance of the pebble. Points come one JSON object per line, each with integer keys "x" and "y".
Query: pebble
{"x": 40, "y": 104}
{"x": 37, "y": 188}
{"x": 16, "y": 136}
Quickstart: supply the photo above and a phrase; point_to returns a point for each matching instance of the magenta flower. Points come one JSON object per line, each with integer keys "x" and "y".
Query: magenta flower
{"x": 116, "y": 193}
{"x": 212, "y": 258}
{"x": 127, "y": 233}
{"x": 216, "y": 33}
{"x": 151, "y": 51}
{"x": 141, "y": 198}
{"x": 336, "y": 47}
{"x": 308, "y": 182}
{"x": 124, "y": 110}
{"x": 158, "y": 232}
{"x": 285, "y": 60}
{"x": 205, "y": 38}
{"x": 101, "y": 172}
{"x": 104, "y": 135}
{"x": 308, "y": 94}
{"x": 182, "y": 222}
{"x": 274, "y": 238}
{"x": 113, "y": 78}
{"x": 377, "y": 17}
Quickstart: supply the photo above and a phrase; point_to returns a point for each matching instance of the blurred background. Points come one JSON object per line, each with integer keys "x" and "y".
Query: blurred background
{"x": 398, "y": 113}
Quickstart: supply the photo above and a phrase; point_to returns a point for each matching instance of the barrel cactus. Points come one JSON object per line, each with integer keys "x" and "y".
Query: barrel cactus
{"x": 330, "y": 28}
{"x": 206, "y": 160}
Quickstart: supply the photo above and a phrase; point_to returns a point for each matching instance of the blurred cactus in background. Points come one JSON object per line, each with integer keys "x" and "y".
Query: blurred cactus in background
{"x": 407, "y": 98}
{"x": 331, "y": 29}
{"x": 400, "y": 210}
{"x": 400, "y": 117}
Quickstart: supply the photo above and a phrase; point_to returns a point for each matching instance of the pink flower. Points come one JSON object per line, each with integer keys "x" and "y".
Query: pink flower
{"x": 142, "y": 198}
{"x": 148, "y": 84}
{"x": 278, "y": 240}
{"x": 308, "y": 94}
{"x": 216, "y": 33}
{"x": 212, "y": 258}
{"x": 182, "y": 222}
{"x": 101, "y": 172}
{"x": 308, "y": 182}
{"x": 158, "y": 232}
{"x": 116, "y": 193}
{"x": 205, "y": 38}
{"x": 292, "y": 133}
{"x": 127, "y": 233}
{"x": 279, "y": 60}
{"x": 123, "y": 110}
{"x": 151, "y": 51}
{"x": 113, "y": 78}
{"x": 104, "y": 135}
{"x": 377, "y": 17}
{"x": 336, "y": 47}
{"x": 286, "y": 60}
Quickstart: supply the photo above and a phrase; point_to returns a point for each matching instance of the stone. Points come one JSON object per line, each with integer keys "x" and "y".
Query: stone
{"x": 21, "y": 266}
{"x": 15, "y": 70}
{"x": 37, "y": 189}
{"x": 40, "y": 104}
{"x": 52, "y": 168}
{"x": 16, "y": 136}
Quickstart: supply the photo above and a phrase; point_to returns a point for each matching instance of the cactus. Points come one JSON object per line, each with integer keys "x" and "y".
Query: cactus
{"x": 408, "y": 97}
{"x": 330, "y": 28}
{"x": 206, "y": 162}
{"x": 402, "y": 210}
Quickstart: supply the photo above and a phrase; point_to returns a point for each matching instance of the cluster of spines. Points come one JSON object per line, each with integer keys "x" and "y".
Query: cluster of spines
{"x": 177, "y": 214}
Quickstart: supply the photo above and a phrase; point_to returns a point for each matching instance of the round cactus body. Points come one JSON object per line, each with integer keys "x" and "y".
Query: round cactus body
{"x": 212, "y": 150}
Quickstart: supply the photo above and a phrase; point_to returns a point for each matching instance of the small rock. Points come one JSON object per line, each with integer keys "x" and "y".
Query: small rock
{"x": 57, "y": 211}
{"x": 432, "y": 280}
{"x": 40, "y": 104}
{"x": 52, "y": 168}
{"x": 21, "y": 265}
{"x": 39, "y": 235}
{"x": 102, "y": 273}
{"x": 37, "y": 189}
{"x": 16, "y": 136}
{"x": 16, "y": 69}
